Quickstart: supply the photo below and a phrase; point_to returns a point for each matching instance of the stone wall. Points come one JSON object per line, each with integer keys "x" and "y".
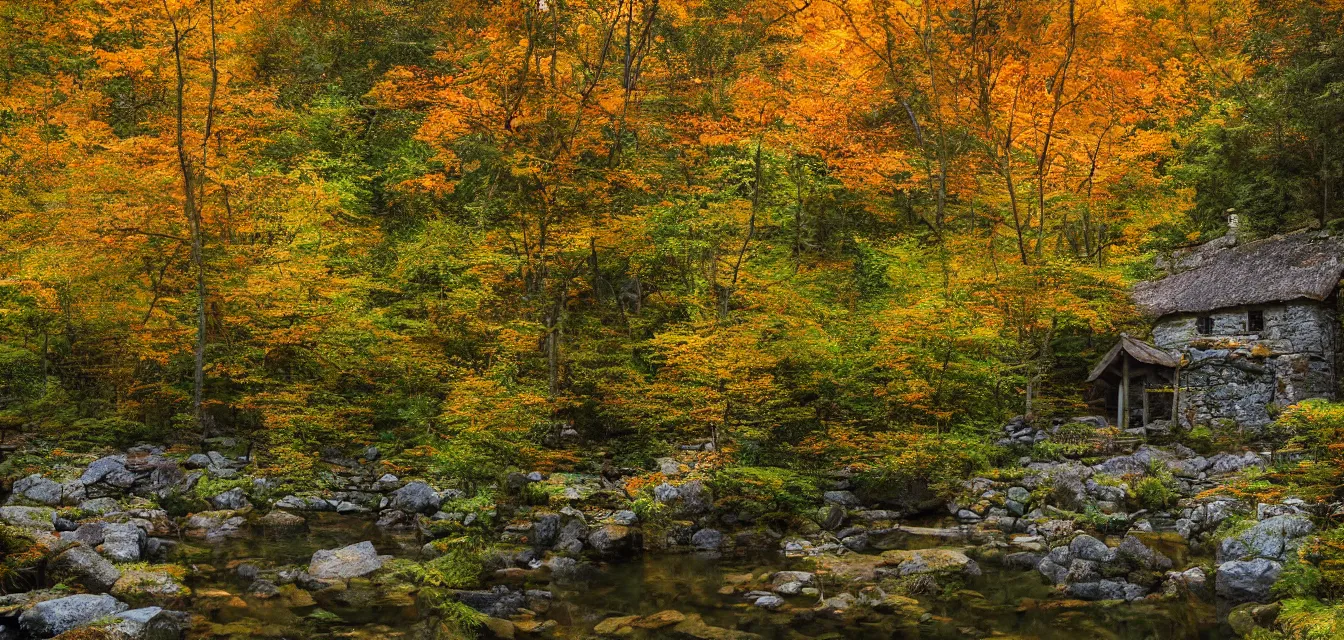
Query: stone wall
{"x": 1234, "y": 375}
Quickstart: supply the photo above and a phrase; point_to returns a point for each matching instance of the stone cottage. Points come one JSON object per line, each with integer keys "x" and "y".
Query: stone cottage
{"x": 1252, "y": 327}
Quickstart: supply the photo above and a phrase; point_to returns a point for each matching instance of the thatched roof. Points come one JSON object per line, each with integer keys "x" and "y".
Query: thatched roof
{"x": 1304, "y": 264}
{"x": 1137, "y": 349}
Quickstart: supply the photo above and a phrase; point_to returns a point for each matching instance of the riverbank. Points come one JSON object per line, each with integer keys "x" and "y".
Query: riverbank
{"x": 1149, "y": 541}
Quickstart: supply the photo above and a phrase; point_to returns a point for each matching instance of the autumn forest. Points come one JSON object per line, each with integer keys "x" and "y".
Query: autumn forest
{"x": 491, "y": 236}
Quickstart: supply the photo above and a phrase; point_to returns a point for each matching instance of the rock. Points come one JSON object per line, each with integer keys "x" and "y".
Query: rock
{"x": 109, "y": 470}
{"x": 1088, "y": 548}
{"x": 613, "y": 540}
{"x": 394, "y": 519}
{"x": 500, "y": 628}
{"x": 264, "y": 589}
{"x": 90, "y": 534}
{"x": 930, "y": 561}
{"x": 1271, "y": 538}
{"x": 1098, "y": 590}
{"x": 664, "y": 618}
{"x": 707, "y": 540}
{"x": 1067, "y": 488}
{"x": 371, "y": 453}
{"x": 233, "y": 499}
{"x": 695, "y": 497}
{"x": 99, "y": 506}
{"x": 122, "y": 542}
{"x": 500, "y": 601}
{"x": 197, "y": 461}
{"x": 624, "y": 517}
{"x": 668, "y": 467}
{"x": 571, "y": 537}
{"x": 1191, "y": 581}
{"x": 150, "y": 623}
{"x": 1245, "y": 619}
{"x": 149, "y": 586}
{"x": 784, "y": 577}
{"x": 281, "y": 519}
{"x": 696, "y": 628}
{"x": 769, "y": 602}
{"x": 545, "y": 530}
{"x": 613, "y": 626}
{"x": 214, "y": 525}
{"x": 1019, "y": 494}
{"x": 347, "y": 562}
{"x": 54, "y": 617}
{"x": 83, "y": 566}
{"x": 665, "y": 493}
{"x": 842, "y": 498}
{"x": 1133, "y": 550}
{"x": 1246, "y": 581}
{"x": 38, "y": 490}
{"x": 33, "y": 518}
{"x": 415, "y": 497}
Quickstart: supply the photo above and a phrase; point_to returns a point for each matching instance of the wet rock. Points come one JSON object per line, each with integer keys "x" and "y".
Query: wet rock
{"x": 1022, "y": 560}
{"x": 1088, "y": 548}
{"x": 930, "y": 561}
{"x": 784, "y": 577}
{"x": 233, "y": 499}
{"x": 122, "y": 542}
{"x": 1133, "y": 550}
{"x": 1245, "y": 619}
{"x": 281, "y": 519}
{"x": 1191, "y": 581}
{"x": 707, "y": 540}
{"x": 214, "y": 525}
{"x": 695, "y": 497}
{"x": 499, "y": 602}
{"x": 150, "y": 623}
{"x": 33, "y": 518}
{"x": 394, "y": 519}
{"x": 616, "y": 625}
{"x": 571, "y": 537}
{"x": 1246, "y": 581}
{"x": 614, "y": 540}
{"x": 36, "y": 489}
{"x": 415, "y": 497}
{"x": 264, "y": 589}
{"x": 356, "y": 560}
{"x": 624, "y": 517}
{"x": 695, "y": 627}
{"x": 769, "y": 602}
{"x": 54, "y": 617}
{"x": 83, "y": 566}
{"x": 90, "y": 534}
{"x": 149, "y": 586}
{"x": 1098, "y": 590}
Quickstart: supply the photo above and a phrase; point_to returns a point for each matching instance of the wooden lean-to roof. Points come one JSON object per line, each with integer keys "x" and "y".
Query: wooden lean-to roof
{"x": 1137, "y": 349}
{"x": 1303, "y": 264}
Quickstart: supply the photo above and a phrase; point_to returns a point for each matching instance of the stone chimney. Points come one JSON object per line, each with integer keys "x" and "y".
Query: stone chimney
{"x": 1233, "y": 224}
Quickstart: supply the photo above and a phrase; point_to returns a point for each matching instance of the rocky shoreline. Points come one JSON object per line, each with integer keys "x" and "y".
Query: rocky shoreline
{"x": 114, "y": 540}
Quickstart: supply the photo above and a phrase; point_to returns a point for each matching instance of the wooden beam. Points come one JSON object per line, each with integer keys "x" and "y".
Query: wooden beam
{"x": 1124, "y": 393}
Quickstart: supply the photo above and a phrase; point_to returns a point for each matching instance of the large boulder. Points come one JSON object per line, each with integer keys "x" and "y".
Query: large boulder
{"x": 930, "y": 561}
{"x": 356, "y": 560}
{"x": 1246, "y": 581}
{"x": 614, "y": 540}
{"x": 54, "y": 617}
{"x": 1272, "y": 538}
{"x": 109, "y": 471}
{"x": 36, "y": 489}
{"x": 707, "y": 540}
{"x": 416, "y": 497}
{"x": 83, "y": 566}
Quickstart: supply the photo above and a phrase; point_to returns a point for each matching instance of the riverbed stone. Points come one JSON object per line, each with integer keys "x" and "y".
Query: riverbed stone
{"x": 707, "y": 540}
{"x": 83, "y": 566}
{"x": 149, "y": 586}
{"x": 150, "y": 623}
{"x": 281, "y": 519}
{"x": 1272, "y": 538}
{"x": 1088, "y": 548}
{"x": 214, "y": 525}
{"x": 359, "y": 559}
{"x": 930, "y": 561}
{"x": 54, "y": 617}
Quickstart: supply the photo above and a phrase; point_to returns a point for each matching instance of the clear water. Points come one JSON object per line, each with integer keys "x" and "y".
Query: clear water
{"x": 997, "y": 604}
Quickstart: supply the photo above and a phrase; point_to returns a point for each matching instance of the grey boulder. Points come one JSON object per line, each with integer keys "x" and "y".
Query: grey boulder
{"x": 54, "y": 617}
{"x": 356, "y": 560}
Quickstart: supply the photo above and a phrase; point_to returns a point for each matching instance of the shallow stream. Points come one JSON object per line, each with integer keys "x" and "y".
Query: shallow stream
{"x": 1003, "y": 604}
